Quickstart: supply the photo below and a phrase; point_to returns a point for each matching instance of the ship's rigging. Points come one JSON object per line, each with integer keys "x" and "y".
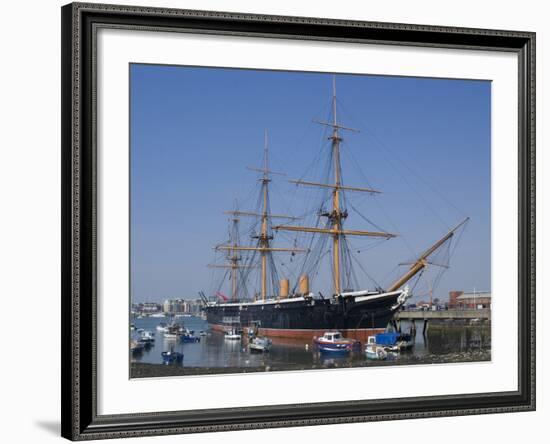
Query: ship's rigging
{"x": 328, "y": 236}
{"x": 338, "y": 214}
{"x": 265, "y": 236}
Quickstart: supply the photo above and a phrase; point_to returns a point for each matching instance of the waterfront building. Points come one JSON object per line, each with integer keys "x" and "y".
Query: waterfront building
{"x": 470, "y": 300}
{"x": 176, "y": 306}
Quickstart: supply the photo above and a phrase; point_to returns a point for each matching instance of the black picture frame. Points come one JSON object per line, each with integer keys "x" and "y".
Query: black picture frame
{"x": 79, "y": 169}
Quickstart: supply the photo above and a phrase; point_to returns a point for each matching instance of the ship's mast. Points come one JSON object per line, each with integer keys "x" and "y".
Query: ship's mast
{"x": 264, "y": 238}
{"x": 233, "y": 258}
{"x": 337, "y": 216}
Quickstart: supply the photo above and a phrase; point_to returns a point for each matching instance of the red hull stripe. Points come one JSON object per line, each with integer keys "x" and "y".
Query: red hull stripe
{"x": 360, "y": 334}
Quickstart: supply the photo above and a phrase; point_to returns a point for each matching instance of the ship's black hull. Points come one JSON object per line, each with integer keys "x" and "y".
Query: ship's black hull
{"x": 306, "y": 318}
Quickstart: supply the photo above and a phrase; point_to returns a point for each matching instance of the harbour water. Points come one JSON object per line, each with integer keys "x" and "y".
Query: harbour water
{"x": 443, "y": 343}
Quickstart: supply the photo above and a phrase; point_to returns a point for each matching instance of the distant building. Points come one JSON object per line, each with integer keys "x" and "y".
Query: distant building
{"x": 182, "y": 306}
{"x": 146, "y": 308}
{"x": 174, "y": 306}
{"x": 453, "y": 295}
{"x": 472, "y": 300}
{"x": 150, "y": 307}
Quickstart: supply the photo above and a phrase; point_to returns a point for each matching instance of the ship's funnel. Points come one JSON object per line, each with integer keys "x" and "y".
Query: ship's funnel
{"x": 303, "y": 284}
{"x": 283, "y": 291}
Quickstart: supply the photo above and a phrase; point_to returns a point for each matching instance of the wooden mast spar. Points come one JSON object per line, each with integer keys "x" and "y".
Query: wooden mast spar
{"x": 264, "y": 238}
{"x": 422, "y": 260}
{"x": 233, "y": 257}
{"x": 337, "y": 216}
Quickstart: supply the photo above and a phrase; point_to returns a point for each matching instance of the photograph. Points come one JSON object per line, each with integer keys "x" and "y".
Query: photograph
{"x": 295, "y": 218}
{"x": 306, "y": 221}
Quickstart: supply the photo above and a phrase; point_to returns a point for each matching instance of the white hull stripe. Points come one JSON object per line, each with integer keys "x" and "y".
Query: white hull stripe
{"x": 298, "y": 299}
{"x": 377, "y": 296}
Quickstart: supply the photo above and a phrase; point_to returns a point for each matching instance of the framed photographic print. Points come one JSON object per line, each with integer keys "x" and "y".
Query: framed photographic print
{"x": 277, "y": 221}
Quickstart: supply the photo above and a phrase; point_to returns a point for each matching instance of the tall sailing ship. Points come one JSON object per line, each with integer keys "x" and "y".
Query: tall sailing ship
{"x": 297, "y": 312}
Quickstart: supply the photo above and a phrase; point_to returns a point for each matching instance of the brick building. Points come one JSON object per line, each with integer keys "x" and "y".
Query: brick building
{"x": 472, "y": 300}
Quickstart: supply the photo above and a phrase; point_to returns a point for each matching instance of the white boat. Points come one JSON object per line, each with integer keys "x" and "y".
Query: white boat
{"x": 172, "y": 331}
{"x": 157, "y": 315}
{"x": 259, "y": 344}
{"x": 162, "y": 327}
{"x": 147, "y": 337}
{"x": 375, "y": 351}
{"x": 233, "y": 335}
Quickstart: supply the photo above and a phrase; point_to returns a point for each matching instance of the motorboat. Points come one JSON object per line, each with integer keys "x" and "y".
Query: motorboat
{"x": 172, "y": 331}
{"x": 147, "y": 337}
{"x": 188, "y": 336}
{"x": 162, "y": 327}
{"x": 233, "y": 335}
{"x": 136, "y": 347}
{"x": 259, "y": 344}
{"x": 375, "y": 351}
{"x": 172, "y": 357}
{"x": 395, "y": 341}
{"x": 334, "y": 342}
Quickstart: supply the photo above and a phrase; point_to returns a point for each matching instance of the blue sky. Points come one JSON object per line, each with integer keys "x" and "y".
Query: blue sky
{"x": 425, "y": 143}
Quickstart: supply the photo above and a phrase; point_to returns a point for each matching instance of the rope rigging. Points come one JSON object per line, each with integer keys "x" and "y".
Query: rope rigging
{"x": 324, "y": 211}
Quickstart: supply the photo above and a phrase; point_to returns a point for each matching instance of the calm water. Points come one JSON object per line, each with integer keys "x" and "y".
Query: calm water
{"x": 443, "y": 343}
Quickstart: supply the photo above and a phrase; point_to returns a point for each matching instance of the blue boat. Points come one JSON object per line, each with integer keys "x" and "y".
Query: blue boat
{"x": 389, "y": 338}
{"x": 187, "y": 338}
{"x": 172, "y": 357}
{"x": 334, "y": 342}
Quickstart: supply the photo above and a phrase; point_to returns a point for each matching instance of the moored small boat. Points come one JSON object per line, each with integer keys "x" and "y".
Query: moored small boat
{"x": 147, "y": 337}
{"x": 334, "y": 342}
{"x": 233, "y": 335}
{"x": 172, "y": 331}
{"x": 172, "y": 357}
{"x": 394, "y": 341}
{"x": 136, "y": 347}
{"x": 259, "y": 344}
{"x": 162, "y": 327}
{"x": 188, "y": 336}
{"x": 375, "y": 351}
